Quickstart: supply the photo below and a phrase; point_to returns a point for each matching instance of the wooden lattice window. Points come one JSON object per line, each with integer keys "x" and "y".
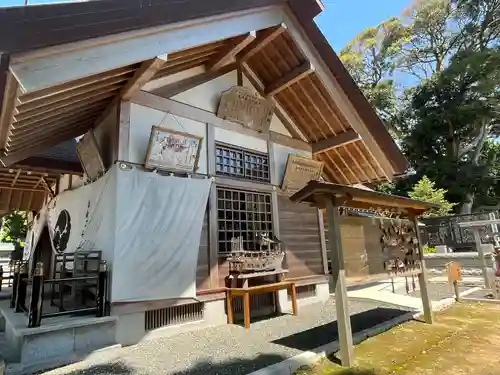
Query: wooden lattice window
{"x": 242, "y": 214}
{"x": 241, "y": 163}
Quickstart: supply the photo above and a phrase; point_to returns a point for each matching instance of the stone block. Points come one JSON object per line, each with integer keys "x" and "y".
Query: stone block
{"x": 41, "y": 347}
{"x": 130, "y": 328}
{"x": 94, "y": 337}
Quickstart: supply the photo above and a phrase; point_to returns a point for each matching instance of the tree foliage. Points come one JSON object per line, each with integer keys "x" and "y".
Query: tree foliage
{"x": 14, "y": 229}
{"x": 443, "y": 79}
{"x": 425, "y": 190}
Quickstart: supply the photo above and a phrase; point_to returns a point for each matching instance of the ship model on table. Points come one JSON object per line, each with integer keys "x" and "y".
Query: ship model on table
{"x": 268, "y": 258}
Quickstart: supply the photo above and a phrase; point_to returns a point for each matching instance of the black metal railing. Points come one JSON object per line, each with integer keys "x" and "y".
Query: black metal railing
{"x": 37, "y": 286}
{"x": 446, "y": 231}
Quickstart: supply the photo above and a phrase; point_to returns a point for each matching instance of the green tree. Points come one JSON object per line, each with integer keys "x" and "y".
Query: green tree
{"x": 371, "y": 58}
{"x": 425, "y": 190}
{"x": 14, "y": 229}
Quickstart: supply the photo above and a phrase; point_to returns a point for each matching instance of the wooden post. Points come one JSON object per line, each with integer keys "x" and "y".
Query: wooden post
{"x": 36, "y": 302}
{"x": 339, "y": 282}
{"x": 22, "y": 286}
{"x": 422, "y": 276}
{"x": 101, "y": 291}
{"x": 479, "y": 248}
{"x": 14, "y": 284}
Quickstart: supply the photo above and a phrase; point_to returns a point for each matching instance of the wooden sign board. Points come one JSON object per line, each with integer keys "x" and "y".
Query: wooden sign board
{"x": 90, "y": 156}
{"x": 299, "y": 171}
{"x": 454, "y": 272}
{"x": 243, "y": 106}
{"x": 173, "y": 151}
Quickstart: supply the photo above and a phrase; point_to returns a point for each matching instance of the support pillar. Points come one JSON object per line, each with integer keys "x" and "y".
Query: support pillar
{"x": 422, "y": 277}
{"x": 339, "y": 282}
{"x": 480, "y": 251}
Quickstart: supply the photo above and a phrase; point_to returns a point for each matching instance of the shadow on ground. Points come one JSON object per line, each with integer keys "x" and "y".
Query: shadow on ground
{"x": 326, "y": 333}
{"x": 235, "y": 366}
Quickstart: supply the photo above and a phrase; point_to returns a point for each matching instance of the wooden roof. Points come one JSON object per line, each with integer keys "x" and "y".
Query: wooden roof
{"x": 318, "y": 192}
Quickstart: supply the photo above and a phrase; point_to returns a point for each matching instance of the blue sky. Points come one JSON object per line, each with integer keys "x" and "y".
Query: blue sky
{"x": 340, "y": 22}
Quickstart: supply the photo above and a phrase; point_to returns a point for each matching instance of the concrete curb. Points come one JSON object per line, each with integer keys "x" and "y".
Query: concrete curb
{"x": 290, "y": 365}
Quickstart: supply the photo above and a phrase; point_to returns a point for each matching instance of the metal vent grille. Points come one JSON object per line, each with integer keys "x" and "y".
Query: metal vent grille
{"x": 257, "y": 302}
{"x": 175, "y": 315}
{"x": 304, "y": 291}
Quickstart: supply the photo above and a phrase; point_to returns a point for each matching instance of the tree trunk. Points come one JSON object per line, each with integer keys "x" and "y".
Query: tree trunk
{"x": 469, "y": 197}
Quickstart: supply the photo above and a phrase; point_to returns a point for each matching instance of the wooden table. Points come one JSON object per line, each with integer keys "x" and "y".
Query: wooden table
{"x": 244, "y": 277}
{"x": 260, "y": 289}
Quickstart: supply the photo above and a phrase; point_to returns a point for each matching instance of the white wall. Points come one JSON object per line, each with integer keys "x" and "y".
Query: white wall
{"x": 143, "y": 118}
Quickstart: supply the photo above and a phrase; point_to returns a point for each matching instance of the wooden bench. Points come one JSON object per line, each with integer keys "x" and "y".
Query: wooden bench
{"x": 260, "y": 289}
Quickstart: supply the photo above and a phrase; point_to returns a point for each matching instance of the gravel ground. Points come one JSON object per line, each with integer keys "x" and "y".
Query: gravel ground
{"x": 439, "y": 291}
{"x": 229, "y": 349}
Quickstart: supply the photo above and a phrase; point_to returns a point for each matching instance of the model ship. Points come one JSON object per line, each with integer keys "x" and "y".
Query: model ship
{"x": 268, "y": 258}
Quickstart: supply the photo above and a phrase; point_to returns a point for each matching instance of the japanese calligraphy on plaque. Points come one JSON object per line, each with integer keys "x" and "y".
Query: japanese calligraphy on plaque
{"x": 243, "y": 106}
{"x": 90, "y": 156}
{"x": 299, "y": 171}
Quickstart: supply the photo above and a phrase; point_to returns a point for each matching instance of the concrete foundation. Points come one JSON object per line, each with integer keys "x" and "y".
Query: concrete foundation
{"x": 57, "y": 341}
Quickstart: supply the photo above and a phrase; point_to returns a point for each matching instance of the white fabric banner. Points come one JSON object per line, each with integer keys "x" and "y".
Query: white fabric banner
{"x": 158, "y": 227}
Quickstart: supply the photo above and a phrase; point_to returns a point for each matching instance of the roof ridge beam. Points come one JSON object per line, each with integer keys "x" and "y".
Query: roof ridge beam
{"x": 229, "y": 53}
{"x": 336, "y": 141}
{"x": 289, "y": 79}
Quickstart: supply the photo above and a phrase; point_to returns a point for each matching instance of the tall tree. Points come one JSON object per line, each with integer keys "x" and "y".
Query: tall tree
{"x": 14, "y": 228}
{"x": 371, "y": 58}
{"x": 450, "y": 120}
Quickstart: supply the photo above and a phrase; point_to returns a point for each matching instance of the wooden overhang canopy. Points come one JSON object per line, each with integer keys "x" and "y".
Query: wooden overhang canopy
{"x": 329, "y": 115}
{"x": 318, "y": 193}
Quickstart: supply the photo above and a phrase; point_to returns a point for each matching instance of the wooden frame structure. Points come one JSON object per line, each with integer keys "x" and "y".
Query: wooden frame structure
{"x": 332, "y": 197}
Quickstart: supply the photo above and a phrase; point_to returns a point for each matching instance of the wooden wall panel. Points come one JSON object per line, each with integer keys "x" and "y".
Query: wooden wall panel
{"x": 202, "y": 271}
{"x": 299, "y": 230}
{"x": 362, "y": 248}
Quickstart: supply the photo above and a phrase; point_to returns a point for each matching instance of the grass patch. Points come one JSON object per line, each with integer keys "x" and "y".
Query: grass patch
{"x": 464, "y": 339}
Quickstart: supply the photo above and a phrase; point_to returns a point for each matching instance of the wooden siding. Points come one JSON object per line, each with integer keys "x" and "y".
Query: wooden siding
{"x": 202, "y": 271}
{"x": 299, "y": 230}
{"x": 362, "y": 249}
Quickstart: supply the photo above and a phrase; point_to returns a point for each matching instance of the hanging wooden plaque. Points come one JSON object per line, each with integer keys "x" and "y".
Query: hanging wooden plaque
{"x": 173, "y": 151}
{"x": 243, "y": 106}
{"x": 299, "y": 171}
{"x": 90, "y": 156}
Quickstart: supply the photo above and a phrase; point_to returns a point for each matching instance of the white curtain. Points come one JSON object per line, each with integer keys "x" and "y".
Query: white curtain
{"x": 158, "y": 227}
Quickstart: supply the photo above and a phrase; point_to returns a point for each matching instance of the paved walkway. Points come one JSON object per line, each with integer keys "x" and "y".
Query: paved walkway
{"x": 229, "y": 349}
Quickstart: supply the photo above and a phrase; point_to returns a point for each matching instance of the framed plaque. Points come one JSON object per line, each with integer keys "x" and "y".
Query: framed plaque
{"x": 299, "y": 171}
{"x": 173, "y": 151}
{"x": 90, "y": 156}
{"x": 243, "y": 106}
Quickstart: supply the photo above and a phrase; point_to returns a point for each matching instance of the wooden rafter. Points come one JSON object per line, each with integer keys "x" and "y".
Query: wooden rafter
{"x": 191, "y": 82}
{"x": 229, "y": 53}
{"x": 289, "y": 79}
{"x": 11, "y": 94}
{"x": 264, "y": 38}
{"x": 46, "y": 186}
{"x": 336, "y": 141}
{"x": 142, "y": 76}
{"x": 280, "y": 113}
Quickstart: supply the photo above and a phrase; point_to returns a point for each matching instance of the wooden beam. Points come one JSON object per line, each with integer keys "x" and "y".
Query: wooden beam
{"x": 46, "y": 186}
{"x": 229, "y": 53}
{"x": 142, "y": 76}
{"x": 289, "y": 79}
{"x": 32, "y": 149}
{"x": 50, "y": 165}
{"x": 279, "y": 112}
{"x": 8, "y": 107}
{"x": 186, "y": 84}
{"x": 263, "y": 39}
{"x": 336, "y": 141}
{"x": 167, "y": 105}
{"x": 422, "y": 276}
{"x": 339, "y": 283}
